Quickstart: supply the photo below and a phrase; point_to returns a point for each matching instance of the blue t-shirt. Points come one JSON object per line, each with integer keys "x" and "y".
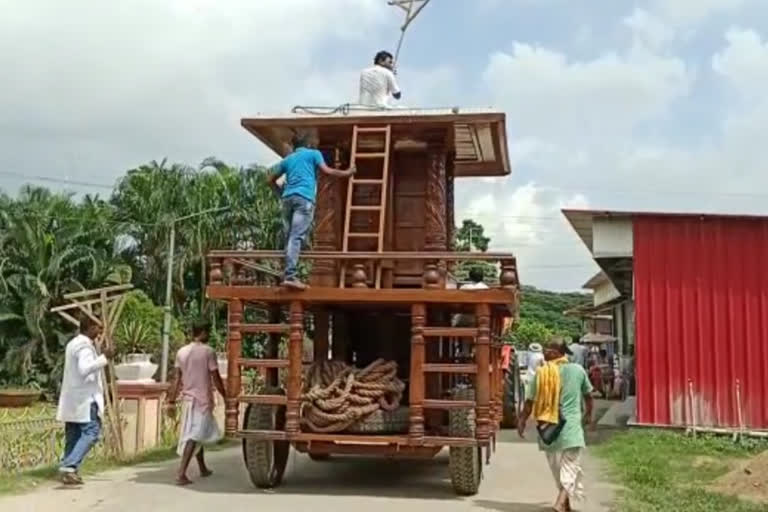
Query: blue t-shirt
{"x": 300, "y": 169}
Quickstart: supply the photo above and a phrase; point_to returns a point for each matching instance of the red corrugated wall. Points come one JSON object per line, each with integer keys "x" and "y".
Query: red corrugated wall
{"x": 701, "y": 302}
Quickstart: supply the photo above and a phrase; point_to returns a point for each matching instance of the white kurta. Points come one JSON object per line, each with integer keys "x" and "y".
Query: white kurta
{"x": 81, "y": 384}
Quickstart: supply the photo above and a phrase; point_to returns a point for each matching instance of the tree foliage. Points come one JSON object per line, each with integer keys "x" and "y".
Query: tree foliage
{"x": 53, "y": 243}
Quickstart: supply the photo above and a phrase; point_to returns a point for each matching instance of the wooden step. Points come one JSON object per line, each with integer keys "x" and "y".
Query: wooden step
{"x": 449, "y": 368}
{"x": 367, "y": 181}
{"x": 271, "y": 328}
{"x": 370, "y": 155}
{"x": 263, "y": 363}
{"x": 264, "y": 399}
{"x": 451, "y": 332}
{"x": 448, "y": 404}
{"x": 372, "y": 129}
{"x": 365, "y": 208}
{"x": 363, "y": 235}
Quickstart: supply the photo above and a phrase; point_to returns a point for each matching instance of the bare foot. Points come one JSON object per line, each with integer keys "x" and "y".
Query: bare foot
{"x": 205, "y": 472}
{"x": 183, "y": 480}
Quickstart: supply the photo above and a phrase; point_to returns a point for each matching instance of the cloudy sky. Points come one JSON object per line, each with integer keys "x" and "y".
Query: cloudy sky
{"x": 611, "y": 104}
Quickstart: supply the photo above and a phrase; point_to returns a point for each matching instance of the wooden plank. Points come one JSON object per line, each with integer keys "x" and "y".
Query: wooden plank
{"x": 448, "y": 404}
{"x": 264, "y": 399}
{"x": 73, "y": 305}
{"x": 349, "y": 120}
{"x": 262, "y": 363}
{"x": 451, "y": 332}
{"x": 362, "y": 235}
{"x": 371, "y": 155}
{"x": 449, "y": 368}
{"x": 365, "y": 181}
{"x": 383, "y": 202}
{"x": 269, "y": 328}
{"x": 399, "y": 296}
{"x": 97, "y": 291}
{"x": 369, "y": 255}
{"x": 262, "y": 435}
{"x": 449, "y": 441}
{"x": 365, "y": 208}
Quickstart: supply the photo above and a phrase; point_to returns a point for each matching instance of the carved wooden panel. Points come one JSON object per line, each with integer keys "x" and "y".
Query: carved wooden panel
{"x": 409, "y": 203}
{"x": 436, "y": 225}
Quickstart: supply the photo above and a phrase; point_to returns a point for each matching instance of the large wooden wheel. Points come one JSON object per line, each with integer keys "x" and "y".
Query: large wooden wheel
{"x": 265, "y": 460}
{"x": 465, "y": 462}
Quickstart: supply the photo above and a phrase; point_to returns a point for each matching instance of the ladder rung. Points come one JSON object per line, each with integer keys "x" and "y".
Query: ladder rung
{"x": 369, "y": 155}
{"x": 457, "y": 332}
{"x": 264, "y": 399}
{"x": 263, "y": 363}
{"x": 449, "y": 368}
{"x": 272, "y": 328}
{"x": 448, "y": 404}
{"x": 367, "y": 182}
{"x": 372, "y": 130}
{"x": 365, "y": 208}
{"x": 362, "y": 235}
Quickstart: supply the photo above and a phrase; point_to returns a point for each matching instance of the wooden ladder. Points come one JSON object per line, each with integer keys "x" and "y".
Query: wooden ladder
{"x": 382, "y": 182}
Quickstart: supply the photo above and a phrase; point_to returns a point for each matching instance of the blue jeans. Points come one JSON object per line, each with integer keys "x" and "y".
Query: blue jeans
{"x": 298, "y": 213}
{"x": 79, "y": 438}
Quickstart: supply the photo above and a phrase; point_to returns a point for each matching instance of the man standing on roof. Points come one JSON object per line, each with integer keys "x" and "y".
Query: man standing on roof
{"x": 378, "y": 82}
{"x": 298, "y": 196}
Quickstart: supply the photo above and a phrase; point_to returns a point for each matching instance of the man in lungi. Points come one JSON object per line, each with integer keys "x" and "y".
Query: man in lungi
{"x": 561, "y": 388}
{"x": 196, "y": 373}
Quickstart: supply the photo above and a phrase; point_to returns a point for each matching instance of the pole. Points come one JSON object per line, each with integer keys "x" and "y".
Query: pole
{"x": 167, "y": 316}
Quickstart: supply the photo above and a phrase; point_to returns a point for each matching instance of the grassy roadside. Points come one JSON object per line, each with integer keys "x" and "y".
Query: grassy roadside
{"x": 17, "y": 483}
{"x": 670, "y": 472}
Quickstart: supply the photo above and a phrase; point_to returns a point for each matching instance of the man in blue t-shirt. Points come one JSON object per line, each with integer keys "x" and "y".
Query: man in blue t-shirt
{"x": 298, "y": 196}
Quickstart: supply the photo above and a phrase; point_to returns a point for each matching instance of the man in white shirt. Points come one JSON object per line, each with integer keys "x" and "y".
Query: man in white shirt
{"x": 378, "y": 83}
{"x": 81, "y": 403}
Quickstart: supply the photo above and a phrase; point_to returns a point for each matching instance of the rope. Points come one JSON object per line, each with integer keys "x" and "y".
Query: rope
{"x": 337, "y": 395}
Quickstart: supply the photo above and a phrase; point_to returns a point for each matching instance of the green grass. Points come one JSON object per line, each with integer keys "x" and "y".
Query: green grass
{"x": 28, "y": 480}
{"x": 670, "y": 472}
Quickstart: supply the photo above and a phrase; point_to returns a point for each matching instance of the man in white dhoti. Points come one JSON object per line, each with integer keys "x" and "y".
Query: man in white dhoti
{"x": 196, "y": 373}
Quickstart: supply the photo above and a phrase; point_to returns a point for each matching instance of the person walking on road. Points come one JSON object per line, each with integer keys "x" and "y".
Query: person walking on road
{"x": 555, "y": 397}
{"x": 298, "y": 195}
{"x": 81, "y": 402}
{"x": 197, "y": 372}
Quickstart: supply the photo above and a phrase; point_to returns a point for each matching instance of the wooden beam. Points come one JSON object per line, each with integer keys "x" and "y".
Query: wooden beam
{"x": 371, "y": 255}
{"x": 396, "y": 296}
{"x": 97, "y": 291}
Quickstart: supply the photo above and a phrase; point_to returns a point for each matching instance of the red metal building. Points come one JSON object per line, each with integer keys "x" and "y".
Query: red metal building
{"x": 699, "y": 286}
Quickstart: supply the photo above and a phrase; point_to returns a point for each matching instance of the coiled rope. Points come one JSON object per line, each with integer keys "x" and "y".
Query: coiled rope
{"x": 337, "y": 395}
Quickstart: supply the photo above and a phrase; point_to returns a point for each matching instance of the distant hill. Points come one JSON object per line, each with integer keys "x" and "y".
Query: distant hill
{"x": 547, "y": 308}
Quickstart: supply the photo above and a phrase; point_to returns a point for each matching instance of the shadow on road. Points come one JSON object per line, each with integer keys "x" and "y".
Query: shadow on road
{"x": 338, "y": 476}
{"x": 512, "y": 507}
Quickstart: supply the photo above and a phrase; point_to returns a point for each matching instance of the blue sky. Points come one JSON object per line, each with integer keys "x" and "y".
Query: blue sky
{"x": 647, "y": 105}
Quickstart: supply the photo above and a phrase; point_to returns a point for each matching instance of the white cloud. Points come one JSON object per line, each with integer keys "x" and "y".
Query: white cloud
{"x": 649, "y": 30}
{"x": 744, "y": 62}
{"x": 551, "y": 95}
{"x": 688, "y": 12}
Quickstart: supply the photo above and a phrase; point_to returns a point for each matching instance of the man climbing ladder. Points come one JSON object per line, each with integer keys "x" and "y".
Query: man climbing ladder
{"x": 298, "y": 197}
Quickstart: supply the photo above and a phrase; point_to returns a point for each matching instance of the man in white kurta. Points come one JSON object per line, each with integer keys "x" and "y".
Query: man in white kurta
{"x": 81, "y": 402}
{"x": 378, "y": 82}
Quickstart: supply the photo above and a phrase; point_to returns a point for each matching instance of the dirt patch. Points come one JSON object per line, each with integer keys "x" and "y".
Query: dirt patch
{"x": 748, "y": 481}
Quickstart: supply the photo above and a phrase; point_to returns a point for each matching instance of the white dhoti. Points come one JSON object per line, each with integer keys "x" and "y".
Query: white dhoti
{"x": 566, "y": 469}
{"x": 197, "y": 424}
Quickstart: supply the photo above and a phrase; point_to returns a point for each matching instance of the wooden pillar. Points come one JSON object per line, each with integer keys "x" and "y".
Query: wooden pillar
{"x": 436, "y": 237}
{"x": 483, "y": 360}
{"x": 296, "y": 336}
{"x": 449, "y": 205}
{"x": 273, "y": 347}
{"x": 320, "y": 343}
{"x": 234, "y": 352}
{"x": 416, "y": 389}
{"x": 324, "y": 236}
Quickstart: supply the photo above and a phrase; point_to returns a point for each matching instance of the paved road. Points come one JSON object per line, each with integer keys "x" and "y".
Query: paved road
{"x": 517, "y": 480}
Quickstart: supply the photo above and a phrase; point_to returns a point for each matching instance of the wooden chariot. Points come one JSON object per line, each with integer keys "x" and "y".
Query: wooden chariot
{"x": 381, "y": 288}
